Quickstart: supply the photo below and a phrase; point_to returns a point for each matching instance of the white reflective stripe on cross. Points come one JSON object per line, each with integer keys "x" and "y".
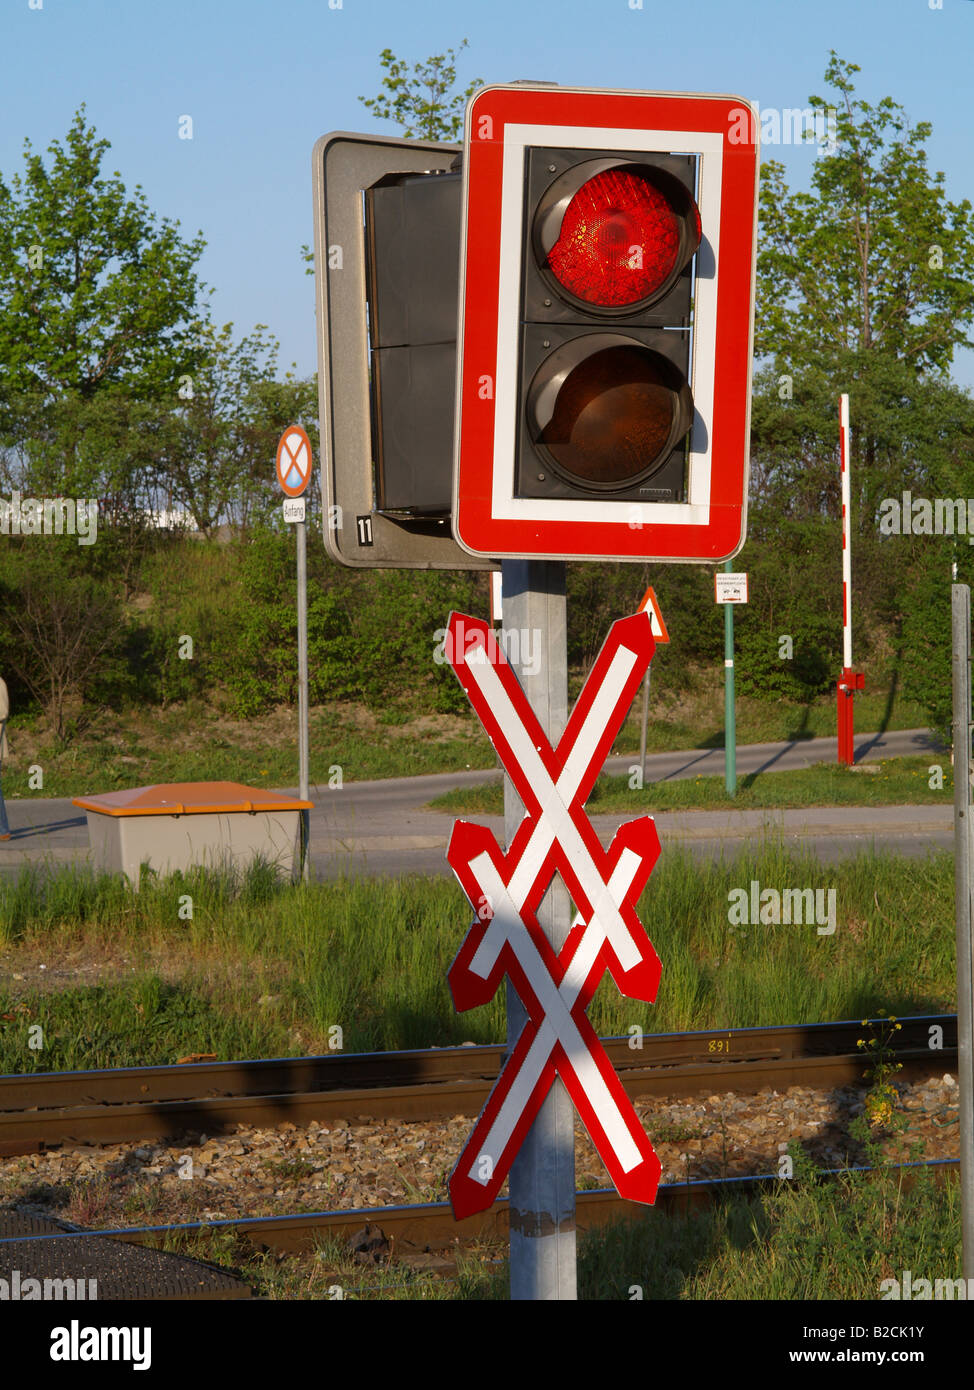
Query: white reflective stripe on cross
{"x": 557, "y": 1024}
{"x": 555, "y": 822}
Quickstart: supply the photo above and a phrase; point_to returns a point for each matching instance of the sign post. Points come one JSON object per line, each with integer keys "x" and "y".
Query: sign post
{"x": 650, "y": 604}
{"x": 963, "y": 868}
{"x": 542, "y": 1184}
{"x": 730, "y": 588}
{"x": 293, "y": 475}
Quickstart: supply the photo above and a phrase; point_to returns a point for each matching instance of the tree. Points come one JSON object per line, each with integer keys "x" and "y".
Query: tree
{"x": 418, "y": 103}
{"x": 421, "y": 101}
{"x": 216, "y": 451}
{"x": 96, "y": 297}
{"x": 865, "y": 285}
{"x": 874, "y": 258}
{"x": 63, "y": 630}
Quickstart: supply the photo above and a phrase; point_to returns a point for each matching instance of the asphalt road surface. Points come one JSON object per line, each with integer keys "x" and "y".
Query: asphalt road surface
{"x": 383, "y": 828}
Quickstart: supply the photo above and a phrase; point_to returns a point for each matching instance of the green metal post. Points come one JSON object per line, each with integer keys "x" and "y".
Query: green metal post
{"x": 730, "y": 730}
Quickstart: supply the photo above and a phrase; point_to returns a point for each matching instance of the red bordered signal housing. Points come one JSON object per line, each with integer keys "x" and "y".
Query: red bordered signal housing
{"x": 606, "y": 325}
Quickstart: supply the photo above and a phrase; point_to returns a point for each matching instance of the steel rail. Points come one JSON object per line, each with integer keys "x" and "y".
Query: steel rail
{"x": 47, "y": 1110}
{"x": 432, "y": 1226}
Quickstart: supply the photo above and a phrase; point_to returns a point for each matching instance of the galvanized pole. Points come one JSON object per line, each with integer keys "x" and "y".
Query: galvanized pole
{"x": 642, "y": 738}
{"x": 963, "y": 861}
{"x": 303, "y": 758}
{"x": 730, "y": 720}
{"x": 542, "y": 1182}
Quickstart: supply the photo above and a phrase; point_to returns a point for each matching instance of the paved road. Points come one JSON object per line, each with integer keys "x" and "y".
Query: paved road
{"x": 383, "y": 828}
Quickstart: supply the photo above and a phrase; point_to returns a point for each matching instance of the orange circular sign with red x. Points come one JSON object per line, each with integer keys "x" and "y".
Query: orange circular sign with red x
{"x": 294, "y": 461}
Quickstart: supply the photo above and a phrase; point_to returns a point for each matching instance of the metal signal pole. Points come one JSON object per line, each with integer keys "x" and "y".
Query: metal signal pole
{"x": 303, "y": 758}
{"x": 730, "y": 716}
{"x": 963, "y": 861}
{"x": 542, "y": 1181}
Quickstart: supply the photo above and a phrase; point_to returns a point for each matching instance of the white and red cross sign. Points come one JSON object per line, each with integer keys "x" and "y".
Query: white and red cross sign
{"x": 505, "y": 890}
{"x": 293, "y": 463}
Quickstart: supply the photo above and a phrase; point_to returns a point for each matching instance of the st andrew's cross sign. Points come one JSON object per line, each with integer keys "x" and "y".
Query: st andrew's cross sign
{"x": 505, "y": 890}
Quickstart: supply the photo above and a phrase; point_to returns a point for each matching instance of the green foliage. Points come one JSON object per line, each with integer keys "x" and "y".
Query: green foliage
{"x": 116, "y": 386}
{"x": 794, "y": 592}
{"x": 422, "y": 102}
{"x": 864, "y": 286}
{"x": 400, "y": 619}
{"x": 93, "y": 292}
{"x": 60, "y": 629}
{"x": 874, "y": 257}
{"x": 259, "y": 649}
{"x": 927, "y": 642}
{"x": 218, "y": 440}
{"x": 371, "y": 637}
{"x": 763, "y": 671}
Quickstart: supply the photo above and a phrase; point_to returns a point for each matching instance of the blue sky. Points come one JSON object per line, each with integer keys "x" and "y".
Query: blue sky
{"x": 262, "y": 79}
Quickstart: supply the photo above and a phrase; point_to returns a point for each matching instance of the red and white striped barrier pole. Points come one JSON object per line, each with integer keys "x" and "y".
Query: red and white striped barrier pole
{"x": 850, "y": 681}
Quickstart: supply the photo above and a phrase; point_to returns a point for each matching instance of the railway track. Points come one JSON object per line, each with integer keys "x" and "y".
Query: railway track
{"x": 431, "y": 1227}
{"x": 46, "y": 1110}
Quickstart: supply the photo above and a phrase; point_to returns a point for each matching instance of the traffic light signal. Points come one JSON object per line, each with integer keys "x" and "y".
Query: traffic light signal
{"x": 387, "y": 238}
{"x": 606, "y": 325}
{"x": 606, "y": 406}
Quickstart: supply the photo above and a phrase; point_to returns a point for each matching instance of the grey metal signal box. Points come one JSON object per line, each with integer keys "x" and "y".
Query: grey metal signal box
{"x": 386, "y": 267}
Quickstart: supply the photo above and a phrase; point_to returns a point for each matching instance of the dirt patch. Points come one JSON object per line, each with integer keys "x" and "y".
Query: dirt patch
{"x": 438, "y": 727}
{"x": 185, "y": 727}
{"x": 28, "y": 969}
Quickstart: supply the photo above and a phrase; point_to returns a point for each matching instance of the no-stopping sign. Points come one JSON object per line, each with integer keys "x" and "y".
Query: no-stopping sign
{"x": 294, "y": 461}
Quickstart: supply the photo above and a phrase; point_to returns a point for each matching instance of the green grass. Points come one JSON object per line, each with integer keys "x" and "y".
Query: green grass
{"x": 144, "y": 1018}
{"x": 808, "y": 1239}
{"x": 265, "y": 968}
{"x": 190, "y": 742}
{"x": 108, "y": 758}
{"x": 897, "y": 781}
{"x": 331, "y": 1273}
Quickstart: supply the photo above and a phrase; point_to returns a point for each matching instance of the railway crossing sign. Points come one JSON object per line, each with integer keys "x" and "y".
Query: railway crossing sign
{"x": 294, "y": 461}
{"x": 506, "y": 889}
{"x": 605, "y": 324}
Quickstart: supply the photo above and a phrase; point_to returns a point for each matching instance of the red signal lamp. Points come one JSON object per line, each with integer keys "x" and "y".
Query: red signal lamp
{"x": 615, "y": 235}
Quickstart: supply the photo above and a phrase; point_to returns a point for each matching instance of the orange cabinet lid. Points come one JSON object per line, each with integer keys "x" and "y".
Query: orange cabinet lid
{"x": 188, "y": 799}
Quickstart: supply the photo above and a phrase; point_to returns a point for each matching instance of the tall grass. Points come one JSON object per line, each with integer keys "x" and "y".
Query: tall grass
{"x": 269, "y": 967}
{"x": 808, "y": 1238}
